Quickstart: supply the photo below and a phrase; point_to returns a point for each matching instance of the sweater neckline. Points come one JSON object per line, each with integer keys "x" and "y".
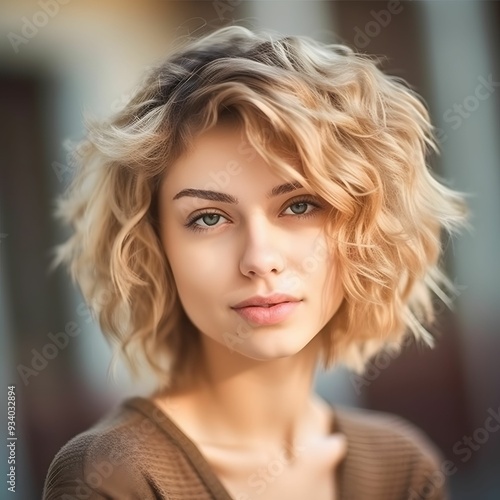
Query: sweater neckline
{"x": 188, "y": 448}
{"x": 155, "y": 414}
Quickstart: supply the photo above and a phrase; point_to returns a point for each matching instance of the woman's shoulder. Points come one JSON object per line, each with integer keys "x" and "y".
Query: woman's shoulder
{"x": 111, "y": 459}
{"x": 392, "y": 450}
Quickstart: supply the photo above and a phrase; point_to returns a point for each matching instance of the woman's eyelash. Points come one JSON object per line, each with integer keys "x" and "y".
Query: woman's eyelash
{"x": 306, "y": 200}
{"x": 190, "y": 224}
{"x": 196, "y": 227}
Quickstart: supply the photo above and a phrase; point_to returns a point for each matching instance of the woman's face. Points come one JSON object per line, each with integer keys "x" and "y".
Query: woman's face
{"x": 234, "y": 231}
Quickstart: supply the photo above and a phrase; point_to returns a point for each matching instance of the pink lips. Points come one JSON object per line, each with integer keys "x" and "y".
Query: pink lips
{"x": 267, "y": 310}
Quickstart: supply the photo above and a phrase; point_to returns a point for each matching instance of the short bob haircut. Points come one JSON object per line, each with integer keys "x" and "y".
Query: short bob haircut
{"x": 361, "y": 139}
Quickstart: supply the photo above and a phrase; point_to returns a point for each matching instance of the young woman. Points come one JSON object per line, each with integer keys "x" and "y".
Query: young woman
{"x": 262, "y": 205}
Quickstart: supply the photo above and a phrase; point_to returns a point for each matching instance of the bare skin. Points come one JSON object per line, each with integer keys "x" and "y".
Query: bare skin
{"x": 263, "y": 444}
{"x": 251, "y": 409}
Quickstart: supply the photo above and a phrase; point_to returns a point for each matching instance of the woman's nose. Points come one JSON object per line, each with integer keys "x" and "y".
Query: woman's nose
{"x": 262, "y": 249}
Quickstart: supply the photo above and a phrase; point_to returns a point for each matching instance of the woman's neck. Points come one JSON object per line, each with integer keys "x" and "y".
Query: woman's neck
{"x": 252, "y": 403}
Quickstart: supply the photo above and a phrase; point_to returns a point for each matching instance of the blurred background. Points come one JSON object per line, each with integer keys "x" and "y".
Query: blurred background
{"x": 60, "y": 58}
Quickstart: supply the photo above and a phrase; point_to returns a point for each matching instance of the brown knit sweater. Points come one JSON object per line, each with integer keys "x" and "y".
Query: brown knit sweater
{"x": 137, "y": 452}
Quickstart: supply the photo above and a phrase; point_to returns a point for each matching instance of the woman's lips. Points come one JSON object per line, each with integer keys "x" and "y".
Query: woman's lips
{"x": 271, "y": 315}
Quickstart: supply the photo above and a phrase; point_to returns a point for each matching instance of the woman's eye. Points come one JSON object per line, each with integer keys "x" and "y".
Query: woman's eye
{"x": 205, "y": 221}
{"x": 299, "y": 208}
{"x": 210, "y": 219}
{"x": 302, "y": 208}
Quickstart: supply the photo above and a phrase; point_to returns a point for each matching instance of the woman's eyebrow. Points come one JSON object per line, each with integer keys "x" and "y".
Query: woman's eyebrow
{"x": 227, "y": 198}
{"x": 206, "y": 195}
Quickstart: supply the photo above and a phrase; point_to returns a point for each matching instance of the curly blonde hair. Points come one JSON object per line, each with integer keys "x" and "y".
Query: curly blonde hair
{"x": 361, "y": 138}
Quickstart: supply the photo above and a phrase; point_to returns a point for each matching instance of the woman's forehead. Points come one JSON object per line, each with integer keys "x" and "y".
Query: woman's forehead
{"x": 228, "y": 147}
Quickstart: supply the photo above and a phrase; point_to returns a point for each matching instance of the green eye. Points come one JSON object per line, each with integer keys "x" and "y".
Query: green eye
{"x": 204, "y": 221}
{"x": 210, "y": 219}
{"x": 302, "y": 207}
{"x": 299, "y": 208}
